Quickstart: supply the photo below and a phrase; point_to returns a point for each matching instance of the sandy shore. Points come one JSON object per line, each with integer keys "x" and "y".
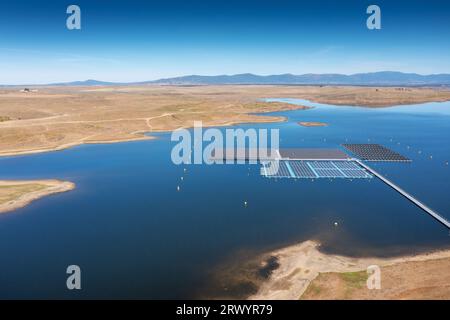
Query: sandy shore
{"x": 17, "y": 194}
{"x": 301, "y": 264}
{"x": 312, "y": 124}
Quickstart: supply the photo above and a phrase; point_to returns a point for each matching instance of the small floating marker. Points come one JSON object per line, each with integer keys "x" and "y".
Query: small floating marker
{"x": 184, "y": 169}
{"x": 335, "y": 224}
{"x": 178, "y": 188}
{"x": 182, "y": 178}
{"x": 446, "y": 163}
{"x": 431, "y": 156}
{"x": 245, "y": 203}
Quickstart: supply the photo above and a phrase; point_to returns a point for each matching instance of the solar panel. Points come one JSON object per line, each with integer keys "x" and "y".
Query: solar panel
{"x": 322, "y": 164}
{"x": 312, "y": 154}
{"x": 329, "y": 173}
{"x": 276, "y": 169}
{"x": 356, "y": 173}
{"x": 313, "y": 169}
{"x": 302, "y": 170}
{"x": 346, "y": 165}
{"x": 374, "y": 152}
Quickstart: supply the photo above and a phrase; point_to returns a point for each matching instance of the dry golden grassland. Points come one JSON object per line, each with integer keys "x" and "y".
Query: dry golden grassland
{"x": 408, "y": 280}
{"x": 61, "y": 117}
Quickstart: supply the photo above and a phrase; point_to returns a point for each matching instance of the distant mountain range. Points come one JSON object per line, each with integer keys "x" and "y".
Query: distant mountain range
{"x": 375, "y": 78}
{"x": 384, "y": 78}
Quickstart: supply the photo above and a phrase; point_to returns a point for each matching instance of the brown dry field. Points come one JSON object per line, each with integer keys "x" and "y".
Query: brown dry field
{"x": 408, "y": 280}
{"x": 55, "y": 118}
{"x": 304, "y": 272}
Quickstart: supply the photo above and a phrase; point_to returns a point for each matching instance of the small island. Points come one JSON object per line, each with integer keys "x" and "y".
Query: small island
{"x": 313, "y": 124}
{"x": 17, "y": 194}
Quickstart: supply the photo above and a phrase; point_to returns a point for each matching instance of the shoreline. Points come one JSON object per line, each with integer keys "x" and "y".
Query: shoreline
{"x": 24, "y": 198}
{"x": 312, "y": 124}
{"x": 300, "y": 264}
{"x": 71, "y": 145}
{"x": 146, "y": 135}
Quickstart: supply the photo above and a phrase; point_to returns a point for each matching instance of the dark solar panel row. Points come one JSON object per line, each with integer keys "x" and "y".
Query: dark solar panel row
{"x": 374, "y": 152}
{"x": 314, "y": 153}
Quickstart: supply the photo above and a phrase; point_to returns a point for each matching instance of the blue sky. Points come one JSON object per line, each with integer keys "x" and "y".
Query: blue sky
{"x": 144, "y": 40}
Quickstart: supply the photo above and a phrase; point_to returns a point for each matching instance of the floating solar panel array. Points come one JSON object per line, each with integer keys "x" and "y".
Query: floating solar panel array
{"x": 313, "y": 169}
{"x": 276, "y": 169}
{"x": 374, "y": 152}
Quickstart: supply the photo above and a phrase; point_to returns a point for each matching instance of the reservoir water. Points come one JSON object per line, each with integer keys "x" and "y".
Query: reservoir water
{"x": 134, "y": 235}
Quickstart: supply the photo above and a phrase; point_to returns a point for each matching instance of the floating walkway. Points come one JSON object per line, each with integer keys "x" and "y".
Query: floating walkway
{"x": 333, "y": 163}
{"x": 422, "y": 206}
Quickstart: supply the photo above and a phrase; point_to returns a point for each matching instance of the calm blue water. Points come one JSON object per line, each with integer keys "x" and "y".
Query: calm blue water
{"x": 135, "y": 236}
